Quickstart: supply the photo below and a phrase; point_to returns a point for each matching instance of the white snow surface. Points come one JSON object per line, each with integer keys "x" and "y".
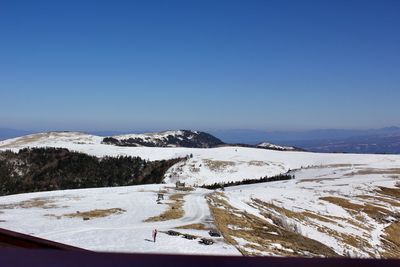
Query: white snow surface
{"x": 152, "y": 136}
{"x": 124, "y": 232}
{"x": 273, "y": 146}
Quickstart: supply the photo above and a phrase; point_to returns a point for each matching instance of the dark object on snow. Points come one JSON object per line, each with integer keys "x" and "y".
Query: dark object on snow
{"x": 187, "y": 236}
{"x": 279, "y": 177}
{"x": 179, "y": 184}
{"x": 214, "y": 233}
{"x": 174, "y": 233}
{"x": 86, "y": 218}
{"x": 206, "y": 241}
{"x": 154, "y": 235}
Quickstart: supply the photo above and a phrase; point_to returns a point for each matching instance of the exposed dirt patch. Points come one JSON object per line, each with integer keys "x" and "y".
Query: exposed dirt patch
{"x": 93, "y": 214}
{"x": 174, "y": 211}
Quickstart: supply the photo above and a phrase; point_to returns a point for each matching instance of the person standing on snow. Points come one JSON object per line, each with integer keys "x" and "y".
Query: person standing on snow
{"x": 154, "y": 235}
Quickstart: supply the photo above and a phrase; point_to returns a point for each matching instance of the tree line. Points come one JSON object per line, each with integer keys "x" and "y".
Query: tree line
{"x": 279, "y": 177}
{"x": 45, "y": 169}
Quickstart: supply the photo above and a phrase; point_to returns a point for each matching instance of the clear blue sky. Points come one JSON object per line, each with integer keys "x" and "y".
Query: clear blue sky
{"x": 136, "y": 65}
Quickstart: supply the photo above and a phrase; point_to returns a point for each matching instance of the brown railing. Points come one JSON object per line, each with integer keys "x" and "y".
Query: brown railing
{"x": 17, "y": 240}
{"x": 49, "y": 254}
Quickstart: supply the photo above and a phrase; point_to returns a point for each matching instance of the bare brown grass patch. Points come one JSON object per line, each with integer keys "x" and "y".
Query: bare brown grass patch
{"x": 218, "y": 165}
{"x": 334, "y": 166}
{"x": 342, "y": 202}
{"x": 392, "y": 241}
{"x": 376, "y": 212}
{"x": 174, "y": 211}
{"x": 391, "y": 192}
{"x": 316, "y": 180}
{"x": 260, "y": 232}
{"x": 386, "y": 200}
{"x": 97, "y": 213}
{"x": 368, "y": 171}
{"x": 304, "y": 219}
{"x": 258, "y": 163}
{"x": 44, "y": 203}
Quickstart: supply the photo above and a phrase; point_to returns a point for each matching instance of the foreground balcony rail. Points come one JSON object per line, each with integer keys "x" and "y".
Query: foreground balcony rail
{"x": 24, "y": 250}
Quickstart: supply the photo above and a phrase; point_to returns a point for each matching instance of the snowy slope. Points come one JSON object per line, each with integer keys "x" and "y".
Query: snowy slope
{"x": 342, "y": 207}
{"x": 125, "y": 232}
{"x": 206, "y": 166}
{"x": 275, "y": 147}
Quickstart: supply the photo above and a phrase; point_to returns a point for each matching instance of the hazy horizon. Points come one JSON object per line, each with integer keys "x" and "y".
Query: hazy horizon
{"x": 133, "y": 130}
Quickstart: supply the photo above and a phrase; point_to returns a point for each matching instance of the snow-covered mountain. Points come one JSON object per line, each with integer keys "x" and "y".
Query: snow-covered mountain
{"x": 206, "y": 166}
{"x": 181, "y": 138}
{"x": 267, "y": 145}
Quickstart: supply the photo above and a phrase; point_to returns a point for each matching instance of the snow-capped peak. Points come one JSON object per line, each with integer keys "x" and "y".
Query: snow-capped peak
{"x": 275, "y": 147}
{"x": 179, "y": 138}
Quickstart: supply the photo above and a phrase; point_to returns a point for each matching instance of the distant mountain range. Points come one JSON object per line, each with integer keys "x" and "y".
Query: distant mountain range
{"x": 383, "y": 140}
{"x": 382, "y": 144}
{"x": 255, "y": 136}
{"x": 6, "y": 133}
